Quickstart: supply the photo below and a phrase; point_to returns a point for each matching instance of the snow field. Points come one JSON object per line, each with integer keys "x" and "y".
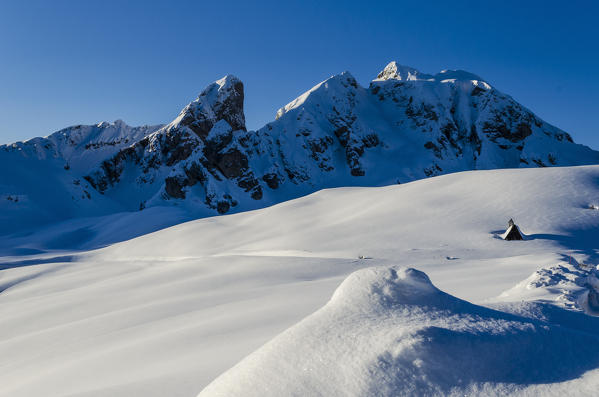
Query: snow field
{"x": 168, "y": 312}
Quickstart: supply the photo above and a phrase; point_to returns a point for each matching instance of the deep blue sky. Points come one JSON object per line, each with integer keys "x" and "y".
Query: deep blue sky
{"x": 75, "y": 62}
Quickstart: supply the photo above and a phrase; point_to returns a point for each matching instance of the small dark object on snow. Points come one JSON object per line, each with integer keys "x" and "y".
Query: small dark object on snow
{"x": 593, "y": 300}
{"x": 512, "y": 232}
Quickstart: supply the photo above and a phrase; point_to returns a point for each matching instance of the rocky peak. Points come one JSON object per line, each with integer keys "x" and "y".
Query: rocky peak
{"x": 221, "y": 100}
{"x": 406, "y": 125}
{"x": 395, "y": 71}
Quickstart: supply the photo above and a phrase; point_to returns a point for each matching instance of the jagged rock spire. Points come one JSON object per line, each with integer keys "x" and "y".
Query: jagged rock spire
{"x": 221, "y": 100}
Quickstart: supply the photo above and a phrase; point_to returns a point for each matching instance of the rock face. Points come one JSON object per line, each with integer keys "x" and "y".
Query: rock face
{"x": 593, "y": 300}
{"x": 404, "y": 126}
{"x": 222, "y": 100}
{"x": 205, "y": 146}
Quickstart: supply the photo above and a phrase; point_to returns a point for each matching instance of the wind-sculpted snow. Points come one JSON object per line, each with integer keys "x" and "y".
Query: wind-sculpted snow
{"x": 569, "y": 284}
{"x": 167, "y": 312}
{"x": 388, "y": 331}
{"x": 405, "y": 125}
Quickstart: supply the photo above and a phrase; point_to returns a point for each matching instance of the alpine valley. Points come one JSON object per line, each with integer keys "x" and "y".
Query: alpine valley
{"x": 356, "y": 246}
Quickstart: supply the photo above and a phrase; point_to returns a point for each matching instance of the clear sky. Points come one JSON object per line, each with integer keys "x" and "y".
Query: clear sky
{"x": 81, "y": 62}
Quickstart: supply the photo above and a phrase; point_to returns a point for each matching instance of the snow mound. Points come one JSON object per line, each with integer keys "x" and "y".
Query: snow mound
{"x": 388, "y": 331}
{"x": 568, "y": 284}
{"x": 380, "y": 288}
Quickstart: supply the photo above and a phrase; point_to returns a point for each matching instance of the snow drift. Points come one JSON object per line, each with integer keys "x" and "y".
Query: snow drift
{"x": 388, "y": 331}
{"x": 168, "y": 312}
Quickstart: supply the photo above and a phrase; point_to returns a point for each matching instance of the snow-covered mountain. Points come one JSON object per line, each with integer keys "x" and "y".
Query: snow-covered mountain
{"x": 406, "y": 125}
{"x": 42, "y": 179}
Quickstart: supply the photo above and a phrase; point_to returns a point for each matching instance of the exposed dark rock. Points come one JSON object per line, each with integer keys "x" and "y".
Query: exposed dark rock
{"x": 174, "y": 187}
{"x": 371, "y": 140}
{"x": 198, "y": 123}
{"x": 420, "y": 113}
{"x": 357, "y": 172}
{"x": 222, "y": 100}
{"x": 256, "y": 193}
{"x": 248, "y": 182}
{"x": 523, "y": 130}
{"x": 319, "y": 145}
{"x": 195, "y": 174}
{"x": 342, "y": 133}
{"x": 476, "y": 91}
{"x": 223, "y": 206}
{"x": 177, "y": 146}
{"x": 432, "y": 170}
{"x": 232, "y": 164}
{"x": 272, "y": 180}
{"x": 593, "y": 300}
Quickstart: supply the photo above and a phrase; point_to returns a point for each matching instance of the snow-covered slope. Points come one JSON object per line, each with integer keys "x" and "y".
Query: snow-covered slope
{"x": 167, "y": 313}
{"x": 42, "y": 180}
{"x": 389, "y": 332}
{"x": 406, "y": 125}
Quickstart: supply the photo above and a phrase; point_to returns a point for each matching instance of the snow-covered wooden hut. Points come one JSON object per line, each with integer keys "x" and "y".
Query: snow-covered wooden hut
{"x": 513, "y": 232}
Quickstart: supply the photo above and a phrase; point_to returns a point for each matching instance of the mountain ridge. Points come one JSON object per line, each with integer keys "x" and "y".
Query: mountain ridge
{"x": 405, "y": 125}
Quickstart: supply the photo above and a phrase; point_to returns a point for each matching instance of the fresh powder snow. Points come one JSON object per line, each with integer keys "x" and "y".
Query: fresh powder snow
{"x": 387, "y": 331}
{"x": 203, "y": 302}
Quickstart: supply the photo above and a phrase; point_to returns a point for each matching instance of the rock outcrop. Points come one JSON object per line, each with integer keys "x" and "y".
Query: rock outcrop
{"x": 203, "y": 146}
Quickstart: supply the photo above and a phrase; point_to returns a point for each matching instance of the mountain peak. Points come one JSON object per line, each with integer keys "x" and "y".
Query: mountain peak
{"x": 396, "y": 71}
{"x": 222, "y": 88}
{"x": 459, "y": 75}
{"x": 335, "y": 83}
{"x": 406, "y": 126}
{"x": 221, "y": 100}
